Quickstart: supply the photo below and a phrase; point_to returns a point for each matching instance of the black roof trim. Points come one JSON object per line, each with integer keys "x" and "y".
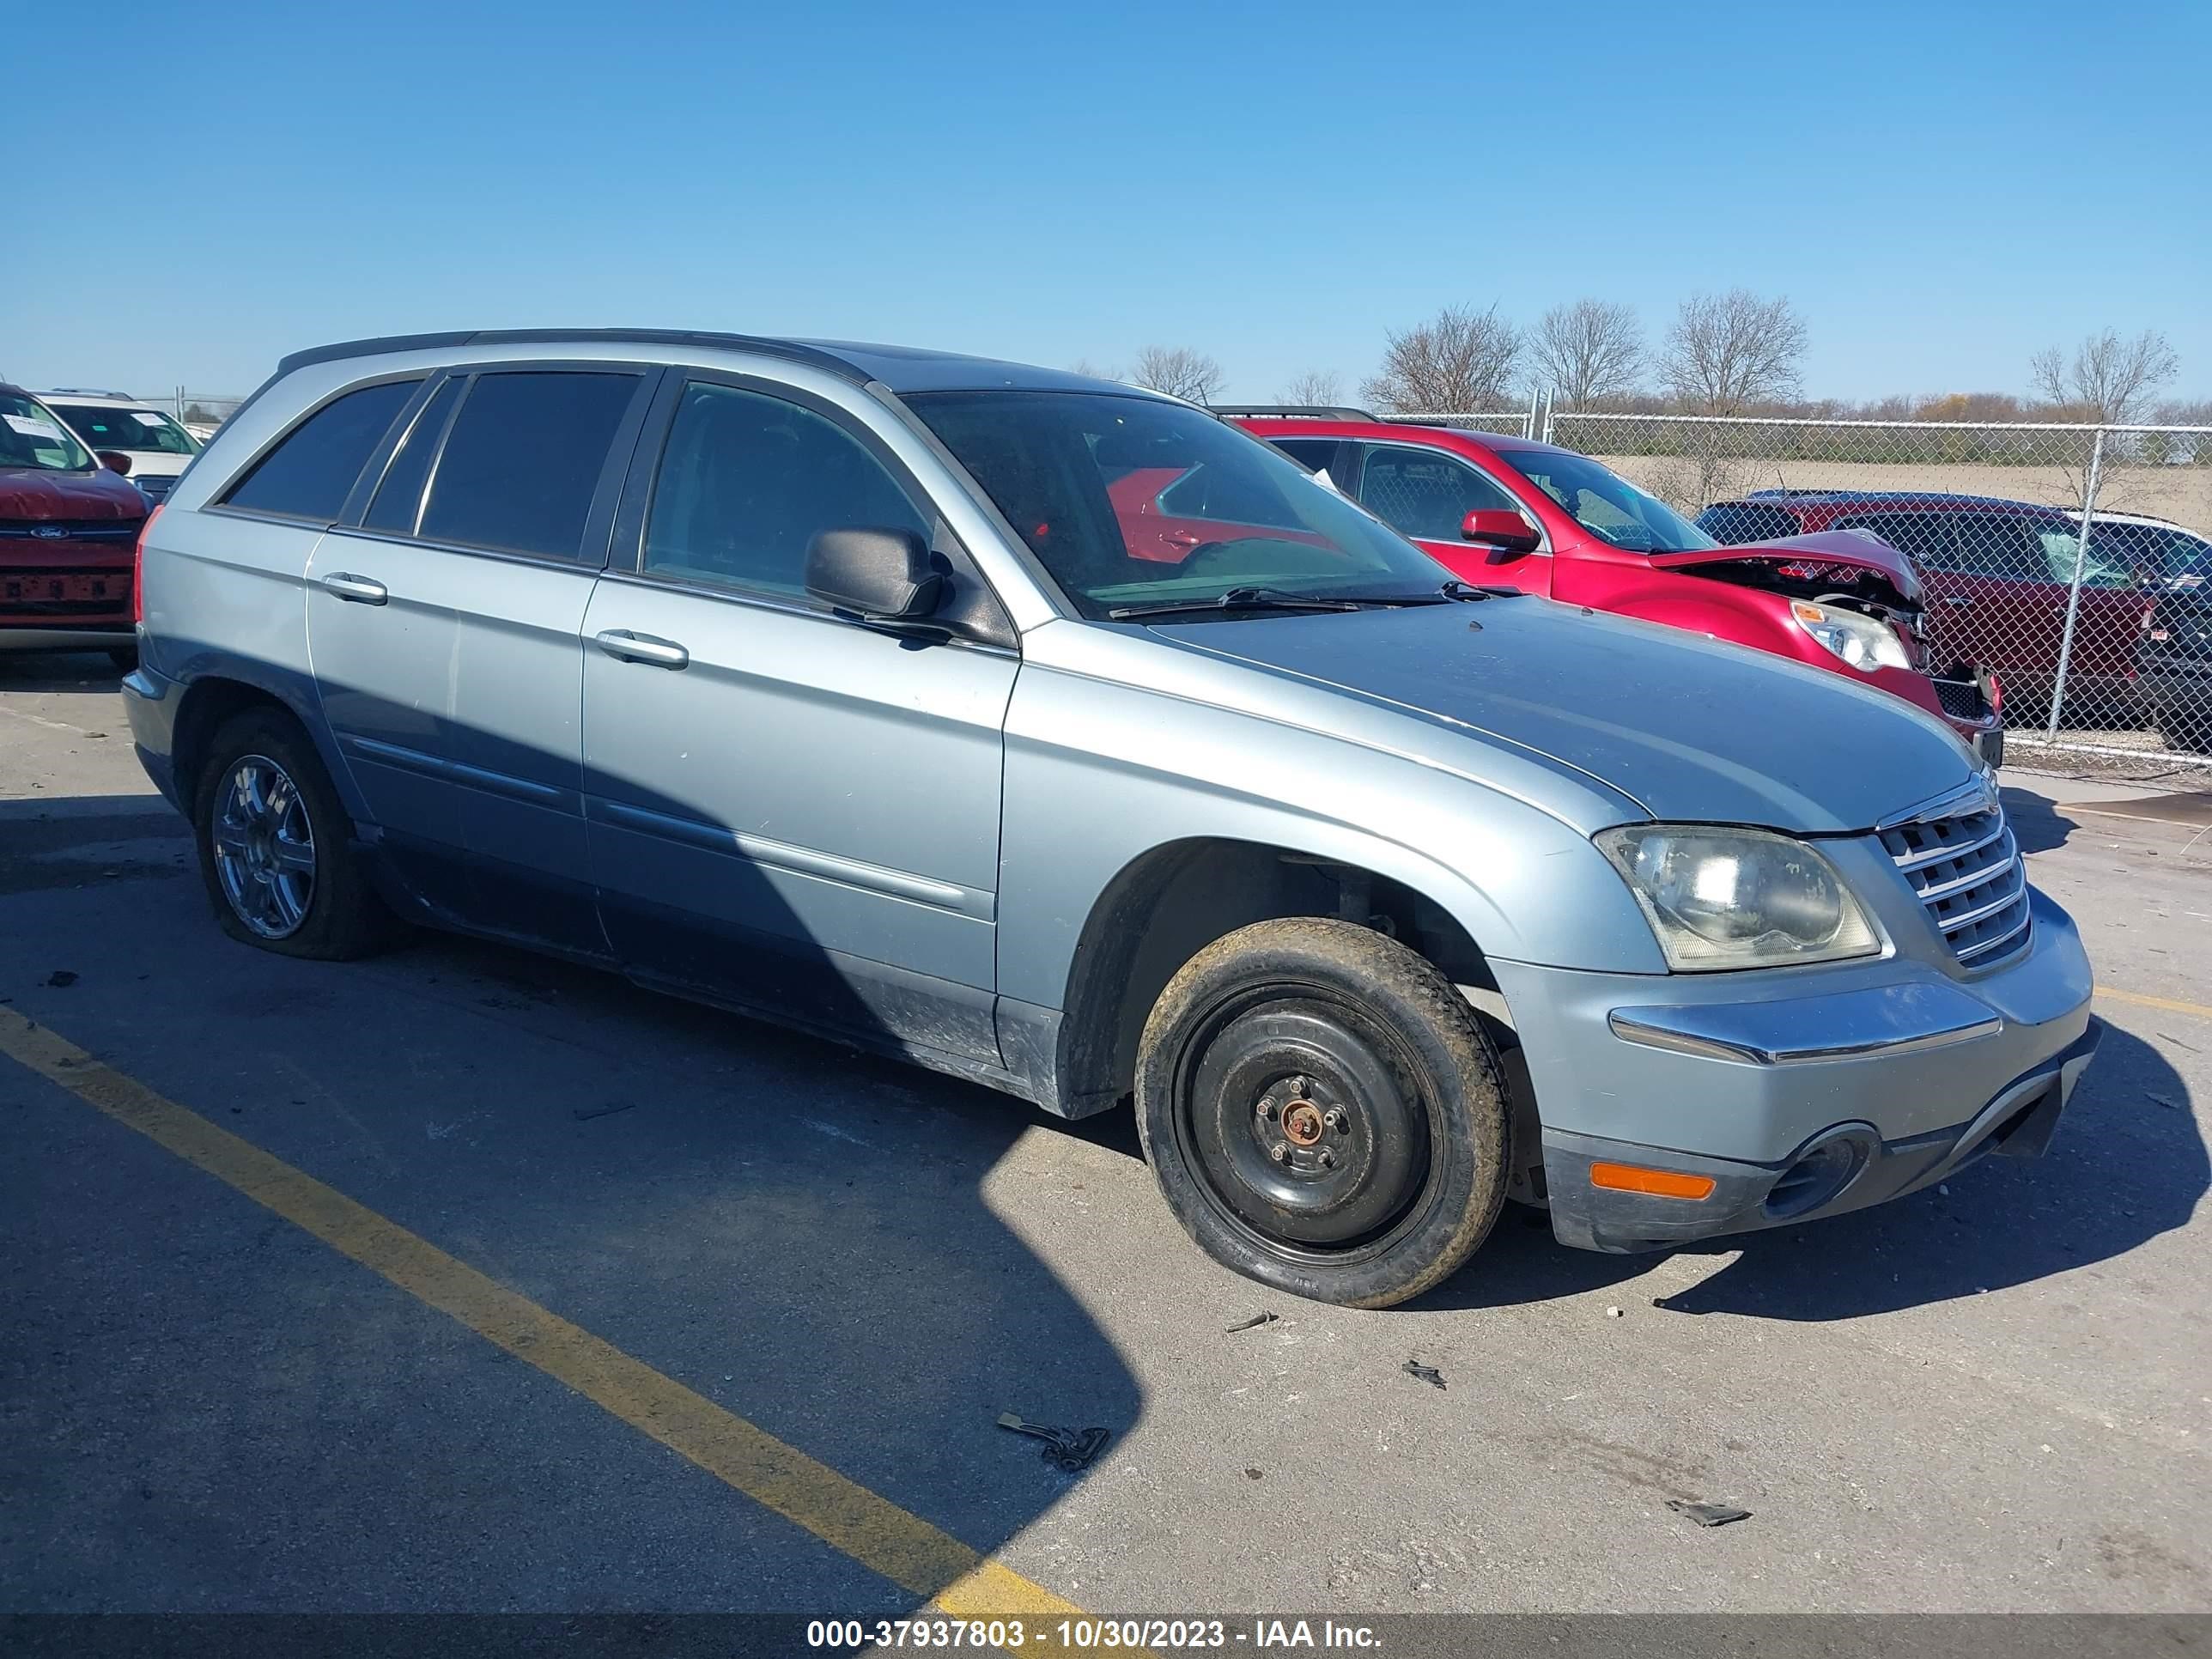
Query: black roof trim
{"x": 1306, "y": 411}
{"x": 790, "y": 350}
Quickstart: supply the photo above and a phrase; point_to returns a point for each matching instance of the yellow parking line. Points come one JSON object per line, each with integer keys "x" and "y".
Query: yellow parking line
{"x": 871, "y": 1529}
{"x": 2167, "y": 1003}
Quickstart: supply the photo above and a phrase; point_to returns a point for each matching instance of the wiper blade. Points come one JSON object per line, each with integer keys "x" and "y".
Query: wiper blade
{"x": 1237, "y": 599}
{"x": 1471, "y": 590}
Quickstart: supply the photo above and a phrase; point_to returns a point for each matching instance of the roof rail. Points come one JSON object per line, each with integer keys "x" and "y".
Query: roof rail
{"x": 1305, "y": 411}
{"x": 789, "y": 349}
{"x": 88, "y": 391}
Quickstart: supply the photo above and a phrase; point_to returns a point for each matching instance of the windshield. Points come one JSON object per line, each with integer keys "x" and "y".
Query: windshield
{"x": 30, "y": 436}
{"x": 127, "y": 429}
{"x": 1606, "y": 504}
{"x": 1131, "y": 500}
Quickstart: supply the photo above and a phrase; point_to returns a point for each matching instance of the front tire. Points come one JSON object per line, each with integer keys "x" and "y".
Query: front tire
{"x": 275, "y": 846}
{"x": 1323, "y": 1113}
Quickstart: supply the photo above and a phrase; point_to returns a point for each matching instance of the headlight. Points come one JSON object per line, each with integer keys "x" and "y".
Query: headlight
{"x": 1737, "y": 898}
{"x": 1865, "y": 642}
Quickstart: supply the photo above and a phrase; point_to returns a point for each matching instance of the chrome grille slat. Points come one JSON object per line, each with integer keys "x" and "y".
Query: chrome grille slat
{"x": 1936, "y": 854}
{"x": 2019, "y": 926}
{"x": 1965, "y": 870}
{"x": 1972, "y": 878}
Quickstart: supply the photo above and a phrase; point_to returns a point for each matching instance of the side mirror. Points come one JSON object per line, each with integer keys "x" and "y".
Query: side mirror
{"x": 116, "y": 461}
{"x": 883, "y": 575}
{"x": 1500, "y": 527}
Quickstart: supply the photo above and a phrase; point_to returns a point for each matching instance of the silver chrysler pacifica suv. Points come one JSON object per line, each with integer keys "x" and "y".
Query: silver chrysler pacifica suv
{"x": 1062, "y": 736}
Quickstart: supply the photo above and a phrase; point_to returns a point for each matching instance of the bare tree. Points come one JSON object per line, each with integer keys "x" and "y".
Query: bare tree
{"x": 2109, "y": 379}
{"x": 1588, "y": 350}
{"x": 1316, "y": 386}
{"x": 1179, "y": 371}
{"x": 1728, "y": 351}
{"x": 1090, "y": 370}
{"x": 1460, "y": 360}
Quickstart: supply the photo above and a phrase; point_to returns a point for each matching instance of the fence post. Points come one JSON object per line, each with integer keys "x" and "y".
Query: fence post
{"x": 2074, "y": 589}
{"x": 1528, "y": 421}
{"x": 1550, "y": 408}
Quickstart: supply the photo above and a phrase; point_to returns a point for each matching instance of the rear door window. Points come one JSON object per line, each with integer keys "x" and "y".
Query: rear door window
{"x": 523, "y": 461}
{"x": 399, "y": 497}
{"x": 1733, "y": 524}
{"x": 1926, "y": 537}
{"x": 312, "y": 468}
{"x": 1423, "y": 493}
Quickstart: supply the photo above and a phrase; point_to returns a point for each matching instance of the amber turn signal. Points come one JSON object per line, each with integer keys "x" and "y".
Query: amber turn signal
{"x": 1661, "y": 1184}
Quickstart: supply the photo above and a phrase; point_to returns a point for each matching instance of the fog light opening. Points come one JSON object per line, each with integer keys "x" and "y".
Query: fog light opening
{"x": 1820, "y": 1172}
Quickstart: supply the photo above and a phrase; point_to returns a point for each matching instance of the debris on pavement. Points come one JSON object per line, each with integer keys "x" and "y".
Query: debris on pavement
{"x": 1613, "y": 1313}
{"x": 1072, "y": 1449}
{"x": 2167, "y": 1101}
{"x": 1263, "y": 1317}
{"x": 61, "y": 978}
{"x": 1428, "y": 1374}
{"x": 1255, "y": 1475}
{"x": 1708, "y": 1515}
{"x": 585, "y": 1114}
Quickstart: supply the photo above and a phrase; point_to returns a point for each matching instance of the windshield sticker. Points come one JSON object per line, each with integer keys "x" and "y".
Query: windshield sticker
{"x": 31, "y": 427}
{"x": 145, "y": 418}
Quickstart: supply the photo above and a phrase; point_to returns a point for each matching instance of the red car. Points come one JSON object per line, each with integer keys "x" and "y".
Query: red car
{"x": 1997, "y": 574}
{"x": 1511, "y": 513}
{"x": 68, "y": 537}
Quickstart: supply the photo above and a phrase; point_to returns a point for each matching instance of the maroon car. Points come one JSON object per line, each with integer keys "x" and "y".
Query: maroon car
{"x": 68, "y": 537}
{"x": 1996, "y": 574}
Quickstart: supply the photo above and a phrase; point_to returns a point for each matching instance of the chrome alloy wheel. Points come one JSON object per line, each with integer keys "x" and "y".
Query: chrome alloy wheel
{"x": 264, "y": 847}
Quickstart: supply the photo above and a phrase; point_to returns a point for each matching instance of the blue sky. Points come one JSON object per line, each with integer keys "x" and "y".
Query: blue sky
{"x": 1940, "y": 189}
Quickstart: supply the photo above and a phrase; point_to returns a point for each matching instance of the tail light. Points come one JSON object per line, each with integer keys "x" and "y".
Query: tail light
{"x": 138, "y": 570}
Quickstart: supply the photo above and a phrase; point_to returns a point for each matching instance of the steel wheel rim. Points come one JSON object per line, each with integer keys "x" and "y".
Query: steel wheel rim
{"x": 264, "y": 847}
{"x": 1210, "y": 1113}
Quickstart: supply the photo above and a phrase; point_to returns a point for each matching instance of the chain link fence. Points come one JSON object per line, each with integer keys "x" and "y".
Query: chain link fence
{"x": 2072, "y": 562}
{"x": 202, "y": 411}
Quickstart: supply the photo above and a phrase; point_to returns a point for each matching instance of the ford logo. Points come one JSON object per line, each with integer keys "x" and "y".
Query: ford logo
{"x": 48, "y": 532}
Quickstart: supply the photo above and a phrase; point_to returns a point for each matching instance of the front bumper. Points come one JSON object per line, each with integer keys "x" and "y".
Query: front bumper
{"x": 1837, "y": 1088}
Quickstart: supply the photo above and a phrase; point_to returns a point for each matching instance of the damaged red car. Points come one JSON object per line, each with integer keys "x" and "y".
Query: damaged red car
{"x": 1501, "y": 511}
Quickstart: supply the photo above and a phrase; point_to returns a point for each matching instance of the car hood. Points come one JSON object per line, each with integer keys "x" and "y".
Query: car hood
{"x": 1691, "y": 729}
{"x": 35, "y": 493}
{"x": 1827, "y": 548}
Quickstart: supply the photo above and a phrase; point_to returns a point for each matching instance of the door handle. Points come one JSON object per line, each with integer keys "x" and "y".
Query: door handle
{"x": 621, "y": 643}
{"x": 359, "y": 590}
{"x": 1957, "y": 601}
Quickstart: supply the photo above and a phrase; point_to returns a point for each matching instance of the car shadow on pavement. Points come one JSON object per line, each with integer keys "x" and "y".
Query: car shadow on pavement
{"x": 814, "y": 1238}
{"x": 2037, "y": 825}
{"x": 36, "y": 671}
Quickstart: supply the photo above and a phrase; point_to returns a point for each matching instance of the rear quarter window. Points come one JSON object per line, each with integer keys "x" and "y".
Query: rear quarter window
{"x": 311, "y": 471}
{"x": 1732, "y": 524}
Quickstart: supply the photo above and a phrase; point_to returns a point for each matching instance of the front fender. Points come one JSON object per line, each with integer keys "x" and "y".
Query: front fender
{"x": 1100, "y": 774}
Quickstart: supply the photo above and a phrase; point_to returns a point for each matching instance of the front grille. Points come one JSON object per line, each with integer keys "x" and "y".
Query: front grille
{"x": 1961, "y": 699}
{"x": 1967, "y": 871}
{"x": 104, "y": 531}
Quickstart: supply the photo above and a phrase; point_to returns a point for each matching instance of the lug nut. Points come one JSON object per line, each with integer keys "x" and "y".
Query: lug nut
{"x": 1328, "y": 1158}
{"x": 1334, "y": 1118}
{"x": 1279, "y": 1152}
{"x": 1268, "y": 1108}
